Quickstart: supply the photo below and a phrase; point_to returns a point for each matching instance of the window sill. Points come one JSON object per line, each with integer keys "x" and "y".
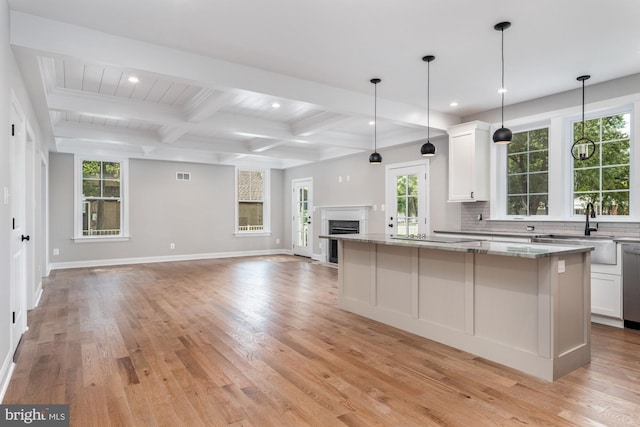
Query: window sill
{"x": 252, "y": 234}
{"x": 101, "y": 239}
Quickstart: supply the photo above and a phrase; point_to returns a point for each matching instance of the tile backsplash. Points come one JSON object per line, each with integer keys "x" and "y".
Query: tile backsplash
{"x": 470, "y": 212}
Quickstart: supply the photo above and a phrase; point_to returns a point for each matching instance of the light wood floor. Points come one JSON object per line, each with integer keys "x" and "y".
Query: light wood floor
{"x": 260, "y": 342}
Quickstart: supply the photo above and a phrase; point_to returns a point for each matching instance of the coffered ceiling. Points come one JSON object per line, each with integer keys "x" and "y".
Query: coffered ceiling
{"x": 286, "y": 82}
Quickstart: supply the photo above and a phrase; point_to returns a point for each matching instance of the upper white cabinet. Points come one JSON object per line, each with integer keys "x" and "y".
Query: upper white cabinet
{"x": 469, "y": 162}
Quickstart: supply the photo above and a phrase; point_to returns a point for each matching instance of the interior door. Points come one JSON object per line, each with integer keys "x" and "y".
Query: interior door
{"x": 19, "y": 236}
{"x": 302, "y": 204}
{"x": 406, "y": 199}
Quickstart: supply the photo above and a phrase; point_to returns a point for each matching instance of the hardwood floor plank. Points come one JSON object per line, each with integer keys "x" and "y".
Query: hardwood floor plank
{"x": 259, "y": 341}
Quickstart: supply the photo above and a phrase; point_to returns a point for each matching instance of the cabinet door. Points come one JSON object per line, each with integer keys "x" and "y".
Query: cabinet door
{"x": 606, "y": 295}
{"x": 461, "y": 166}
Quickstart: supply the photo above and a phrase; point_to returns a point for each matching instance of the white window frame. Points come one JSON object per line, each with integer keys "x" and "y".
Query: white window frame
{"x": 560, "y": 167}
{"x": 266, "y": 203}
{"x": 124, "y": 200}
{"x": 504, "y": 179}
{"x": 633, "y": 164}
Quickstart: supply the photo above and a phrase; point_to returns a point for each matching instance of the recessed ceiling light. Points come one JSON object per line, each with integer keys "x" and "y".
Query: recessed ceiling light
{"x": 502, "y": 90}
{"x": 275, "y": 105}
{"x": 453, "y": 104}
{"x": 372, "y": 122}
{"x": 133, "y": 79}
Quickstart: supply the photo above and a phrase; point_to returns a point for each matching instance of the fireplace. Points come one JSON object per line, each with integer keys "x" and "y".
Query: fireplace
{"x": 340, "y": 227}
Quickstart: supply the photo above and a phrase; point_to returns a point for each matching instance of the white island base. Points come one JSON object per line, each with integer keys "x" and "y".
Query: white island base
{"x": 516, "y": 310}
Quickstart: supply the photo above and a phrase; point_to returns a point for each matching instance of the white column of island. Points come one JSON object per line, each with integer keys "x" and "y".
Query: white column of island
{"x": 526, "y": 306}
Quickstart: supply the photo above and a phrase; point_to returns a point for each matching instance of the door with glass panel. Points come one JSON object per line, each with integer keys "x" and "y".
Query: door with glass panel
{"x": 406, "y": 211}
{"x": 302, "y": 204}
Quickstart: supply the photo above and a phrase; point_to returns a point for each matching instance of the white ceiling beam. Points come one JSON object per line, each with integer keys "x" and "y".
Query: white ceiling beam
{"x": 170, "y": 118}
{"x": 114, "y": 135}
{"x": 148, "y": 142}
{"x": 48, "y": 37}
{"x": 171, "y": 133}
{"x": 317, "y": 123}
{"x": 260, "y": 146}
{"x": 112, "y": 107}
{"x": 206, "y": 103}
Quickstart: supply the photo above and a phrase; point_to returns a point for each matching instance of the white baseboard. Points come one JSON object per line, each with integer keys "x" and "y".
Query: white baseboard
{"x": 6, "y": 372}
{"x": 609, "y": 321}
{"x": 146, "y": 260}
{"x": 38, "y": 295}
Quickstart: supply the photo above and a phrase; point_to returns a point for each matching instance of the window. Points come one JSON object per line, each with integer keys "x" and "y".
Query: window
{"x": 407, "y": 204}
{"x": 252, "y": 201}
{"x": 100, "y": 202}
{"x": 528, "y": 173}
{"x": 603, "y": 179}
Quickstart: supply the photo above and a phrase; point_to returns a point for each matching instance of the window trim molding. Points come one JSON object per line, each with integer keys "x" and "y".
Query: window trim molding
{"x": 559, "y": 153}
{"x": 77, "y": 200}
{"x": 634, "y": 159}
{"x": 266, "y": 203}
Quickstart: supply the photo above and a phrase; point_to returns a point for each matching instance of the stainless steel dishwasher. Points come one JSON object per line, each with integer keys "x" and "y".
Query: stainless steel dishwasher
{"x": 631, "y": 285}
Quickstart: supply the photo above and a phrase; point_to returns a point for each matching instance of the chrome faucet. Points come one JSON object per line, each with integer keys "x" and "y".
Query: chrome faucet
{"x": 587, "y": 228}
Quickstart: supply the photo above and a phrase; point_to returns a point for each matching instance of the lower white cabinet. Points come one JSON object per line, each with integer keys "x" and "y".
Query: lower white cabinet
{"x": 606, "y": 295}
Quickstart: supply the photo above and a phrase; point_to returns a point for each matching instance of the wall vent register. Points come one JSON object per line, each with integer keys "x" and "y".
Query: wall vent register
{"x": 183, "y": 176}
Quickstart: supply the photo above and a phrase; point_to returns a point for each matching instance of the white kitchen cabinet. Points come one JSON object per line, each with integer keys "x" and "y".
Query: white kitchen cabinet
{"x": 606, "y": 292}
{"x": 606, "y": 295}
{"x": 469, "y": 162}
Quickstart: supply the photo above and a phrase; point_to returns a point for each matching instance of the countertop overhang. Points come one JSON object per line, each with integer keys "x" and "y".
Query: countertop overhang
{"x": 514, "y": 249}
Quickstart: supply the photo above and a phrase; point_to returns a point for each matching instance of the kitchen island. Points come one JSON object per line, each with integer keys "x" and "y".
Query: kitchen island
{"x": 526, "y": 306}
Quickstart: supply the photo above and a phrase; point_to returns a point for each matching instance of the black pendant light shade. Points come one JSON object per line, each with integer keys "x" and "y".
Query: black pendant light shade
{"x": 375, "y": 158}
{"x": 583, "y": 148}
{"x": 428, "y": 149}
{"x": 502, "y": 135}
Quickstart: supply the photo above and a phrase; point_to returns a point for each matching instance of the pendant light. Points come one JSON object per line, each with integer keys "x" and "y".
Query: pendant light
{"x": 583, "y": 148}
{"x": 375, "y": 158}
{"x": 502, "y": 135}
{"x": 428, "y": 149}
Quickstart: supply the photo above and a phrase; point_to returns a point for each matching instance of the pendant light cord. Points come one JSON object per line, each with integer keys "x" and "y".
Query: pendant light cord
{"x": 375, "y": 117}
{"x": 502, "y": 89}
{"x": 428, "y": 97}
{"x": 582, "y": 109}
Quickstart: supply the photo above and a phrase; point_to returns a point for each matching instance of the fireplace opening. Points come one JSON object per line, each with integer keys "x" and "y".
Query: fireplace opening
{"x": 340, "y": 227}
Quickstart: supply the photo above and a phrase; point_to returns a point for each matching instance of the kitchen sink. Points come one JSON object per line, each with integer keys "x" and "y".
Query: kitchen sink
{"x": 604, "y": 246}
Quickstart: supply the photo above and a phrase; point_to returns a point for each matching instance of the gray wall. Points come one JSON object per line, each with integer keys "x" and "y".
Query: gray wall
{"x": 197, "y": 215}
{"x": 366, "y": 186}
{"x": 593, "y": 93}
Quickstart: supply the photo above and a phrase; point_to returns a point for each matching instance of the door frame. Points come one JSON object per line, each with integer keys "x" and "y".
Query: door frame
{"x": 296, "y": 183}
{"x": 390, "y": 193}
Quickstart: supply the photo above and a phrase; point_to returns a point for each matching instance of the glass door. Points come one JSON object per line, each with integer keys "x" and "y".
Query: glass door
{"x": 302, "y": 230}
{"x": 406, "y": 200}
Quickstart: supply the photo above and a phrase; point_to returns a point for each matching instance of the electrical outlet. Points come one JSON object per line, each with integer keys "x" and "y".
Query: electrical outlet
{"x": 172, "y": 245}
{"x": 561, "y": 266}
{"x": 56, "y": 251}
{"x": 277, "y": 241}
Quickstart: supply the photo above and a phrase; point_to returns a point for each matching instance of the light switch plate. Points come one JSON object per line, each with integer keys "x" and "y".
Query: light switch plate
{"x": 561, "y": 266}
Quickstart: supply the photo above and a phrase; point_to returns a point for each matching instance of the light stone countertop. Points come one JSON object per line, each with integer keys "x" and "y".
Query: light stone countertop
{"x": 534, "y": 234}
{"x": 514, "y": 249}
